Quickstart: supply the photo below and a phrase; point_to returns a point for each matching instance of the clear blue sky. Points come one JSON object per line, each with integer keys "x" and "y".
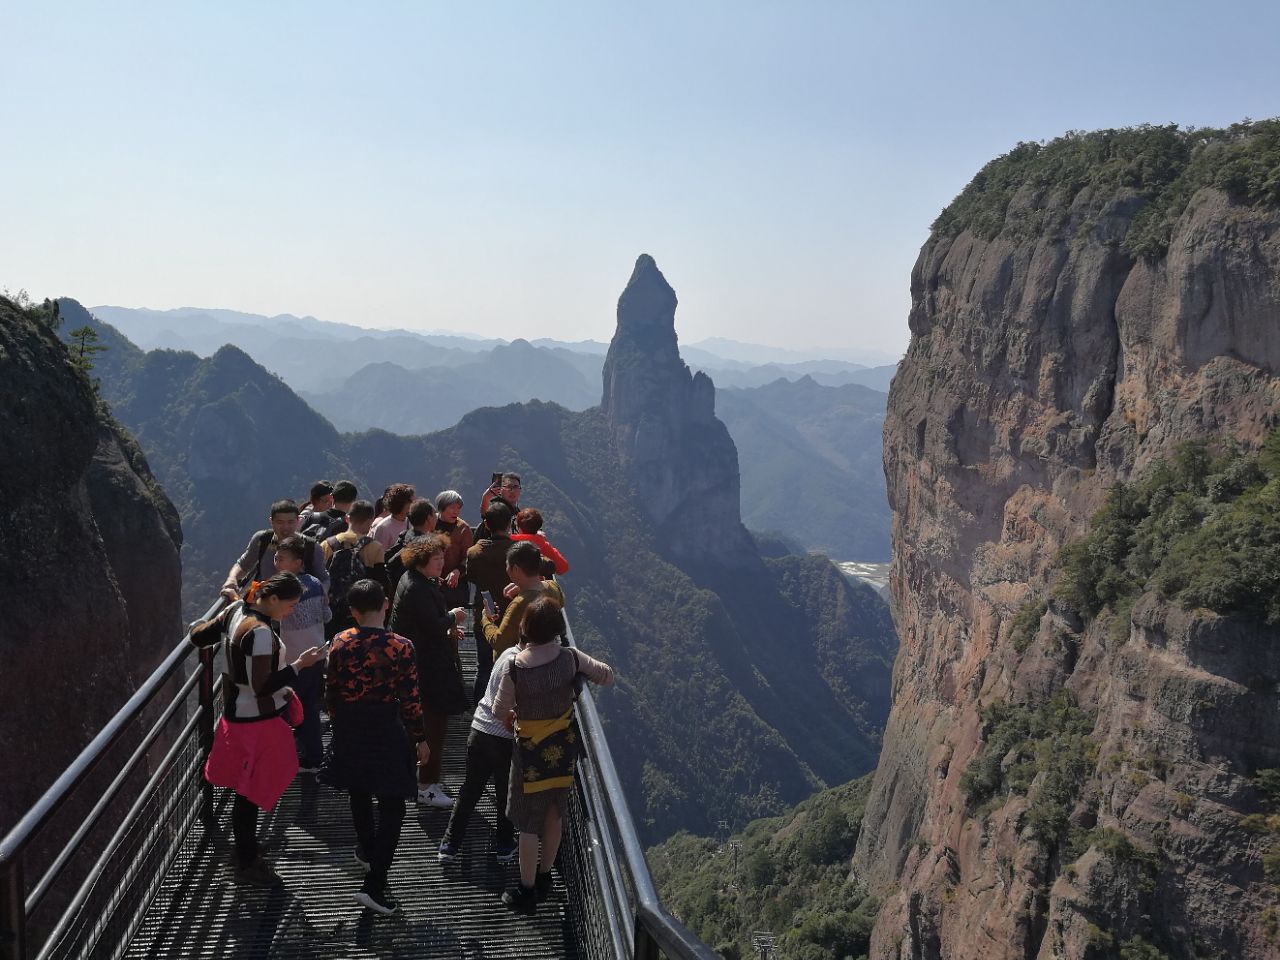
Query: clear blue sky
{"x": 496, "y": 167}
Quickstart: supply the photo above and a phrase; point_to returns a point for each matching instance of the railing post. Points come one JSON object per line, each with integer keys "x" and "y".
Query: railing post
{"x": 646, "y": 946}
{"x": 13, "y": 910}
{"x": 206, "y": 728}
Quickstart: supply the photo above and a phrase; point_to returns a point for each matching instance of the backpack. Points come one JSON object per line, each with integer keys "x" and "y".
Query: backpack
{"x": 321, "y": 526}
{"x": 395, "y": 566}
{"x": 264, "y": 541}
{"x": 345, "y": 568}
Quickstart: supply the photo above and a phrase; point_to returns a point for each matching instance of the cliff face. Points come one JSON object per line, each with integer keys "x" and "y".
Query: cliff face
{"x": 1043, "y": 369}
{"x": 662, "y": 417}
{"x": 88, "y": 563}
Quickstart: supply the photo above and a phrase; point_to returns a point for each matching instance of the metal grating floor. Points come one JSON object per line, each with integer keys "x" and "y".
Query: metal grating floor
{"x": 449, "y": 911}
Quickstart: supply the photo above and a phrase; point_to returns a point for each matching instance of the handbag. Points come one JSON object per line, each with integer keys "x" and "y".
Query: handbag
{"x": 293, "y": 711}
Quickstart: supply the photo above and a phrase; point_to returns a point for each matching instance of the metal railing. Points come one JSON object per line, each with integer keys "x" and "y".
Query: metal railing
{"x": 616, "y": 908}
{"x": 102, "y": 896}
{"x": 75, "y": 903}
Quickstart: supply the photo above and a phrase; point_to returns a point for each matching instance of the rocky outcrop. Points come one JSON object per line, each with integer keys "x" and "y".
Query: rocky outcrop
{"x": 665, "y": 430}
{"x": 1045, "y": 366}
{"x": 88, "y": 562}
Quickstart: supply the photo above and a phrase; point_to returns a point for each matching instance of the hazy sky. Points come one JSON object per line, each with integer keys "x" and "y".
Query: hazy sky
{"x": 497, "y": 167}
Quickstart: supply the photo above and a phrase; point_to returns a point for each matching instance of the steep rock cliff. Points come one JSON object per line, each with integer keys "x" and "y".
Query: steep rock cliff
{"x": 1079, "y": 311}
{"x": 88, "y": 562}
{"x": 664, "y": 426}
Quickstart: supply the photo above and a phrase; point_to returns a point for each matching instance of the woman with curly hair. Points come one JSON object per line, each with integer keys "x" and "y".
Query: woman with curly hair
{"x": 397, "y": 500}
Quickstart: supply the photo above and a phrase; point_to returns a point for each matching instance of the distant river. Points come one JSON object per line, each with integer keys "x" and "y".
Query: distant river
{"x": 873, "y": 574}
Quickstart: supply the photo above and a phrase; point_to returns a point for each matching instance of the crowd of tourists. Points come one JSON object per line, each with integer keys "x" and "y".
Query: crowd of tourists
{"x": 354, "y": 610}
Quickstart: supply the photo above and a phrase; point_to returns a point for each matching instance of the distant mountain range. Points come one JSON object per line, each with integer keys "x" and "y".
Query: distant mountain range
{"x": 756, "y": 353}
{"x": 807, "y": 429}
{"x": 317, "y": 357}
{"x": 811, "y": 465}
{"x": 391, "y": 397}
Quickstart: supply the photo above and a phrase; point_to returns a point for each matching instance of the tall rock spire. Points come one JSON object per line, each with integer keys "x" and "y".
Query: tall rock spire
{"x": 679, "y": 457}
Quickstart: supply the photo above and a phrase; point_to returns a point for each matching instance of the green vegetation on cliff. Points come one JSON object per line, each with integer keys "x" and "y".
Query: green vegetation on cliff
{"x": 787, "y": 875}
{"x": 1028, "y": 191}
{"x": 1202, "y": 528}
{"x": 1042, "y": 751}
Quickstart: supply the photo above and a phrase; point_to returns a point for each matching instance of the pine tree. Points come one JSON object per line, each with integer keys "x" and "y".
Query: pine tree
{"x": 84, "y": 344}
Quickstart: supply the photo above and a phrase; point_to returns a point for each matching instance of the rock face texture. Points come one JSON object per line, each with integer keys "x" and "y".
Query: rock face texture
{"x": 1042, "y": 369}
{"x": 665, "y": 430}
{"x": 88, "y": 563}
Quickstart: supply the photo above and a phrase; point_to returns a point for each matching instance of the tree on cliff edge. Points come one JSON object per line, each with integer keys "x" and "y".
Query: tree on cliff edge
{"x": 83, "y": 346}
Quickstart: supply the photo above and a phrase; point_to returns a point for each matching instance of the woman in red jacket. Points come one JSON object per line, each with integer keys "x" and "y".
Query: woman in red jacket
{"x": 529, "y": 521}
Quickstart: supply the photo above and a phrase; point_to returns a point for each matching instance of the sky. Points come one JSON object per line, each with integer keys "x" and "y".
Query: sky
{"x": 495, "y": 168}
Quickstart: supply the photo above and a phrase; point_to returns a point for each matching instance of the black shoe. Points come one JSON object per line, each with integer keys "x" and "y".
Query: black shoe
{"x": 258, "y": 874}
{"x": 542, "y": 885}
{"x": 521, "y": 897}
{"x": 379, "y": 901}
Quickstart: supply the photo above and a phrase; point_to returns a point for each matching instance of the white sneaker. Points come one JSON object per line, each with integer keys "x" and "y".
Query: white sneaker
{"x": 433, "y": 795}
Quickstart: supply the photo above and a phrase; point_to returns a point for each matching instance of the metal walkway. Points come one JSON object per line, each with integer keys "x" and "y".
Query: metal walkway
{"x": 132, "y": 849}
{"x": 448, "y": 910}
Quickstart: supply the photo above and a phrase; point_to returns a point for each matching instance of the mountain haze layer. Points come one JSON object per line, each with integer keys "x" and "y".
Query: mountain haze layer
{"x": 811, "y": 464}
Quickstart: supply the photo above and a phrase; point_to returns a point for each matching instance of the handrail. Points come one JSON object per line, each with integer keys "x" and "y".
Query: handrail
{"x": 108, "y": 795}
{"x": 17, "y": 839}
{"x": 88, "y": 883}
{"x": 656, "y": 928}
{"x": 15, "y": 903}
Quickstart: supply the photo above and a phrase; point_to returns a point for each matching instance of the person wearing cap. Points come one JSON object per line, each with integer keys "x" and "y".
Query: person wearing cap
{"x": 449, "y": 522}
{"x": 319, "y": 499}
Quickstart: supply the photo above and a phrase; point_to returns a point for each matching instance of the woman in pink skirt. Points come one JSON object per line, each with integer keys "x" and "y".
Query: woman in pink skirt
{"x": 253, "y": 752}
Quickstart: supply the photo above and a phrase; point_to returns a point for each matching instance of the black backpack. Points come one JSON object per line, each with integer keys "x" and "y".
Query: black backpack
{"x": 345, "y": 568}
{"x": 322, "y": 526}
{"x": 308, "y": 554}
{"x": 395, "y": 566}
